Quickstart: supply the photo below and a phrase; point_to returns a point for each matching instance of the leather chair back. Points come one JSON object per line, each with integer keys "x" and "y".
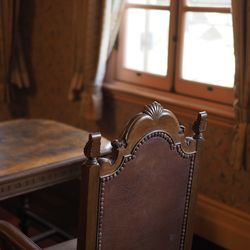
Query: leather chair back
{"x": 143, "y": 196}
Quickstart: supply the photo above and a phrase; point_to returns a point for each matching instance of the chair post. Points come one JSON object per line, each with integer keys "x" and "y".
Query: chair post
{"x": 89, "y": 194}
{"x": 199, "y": 126}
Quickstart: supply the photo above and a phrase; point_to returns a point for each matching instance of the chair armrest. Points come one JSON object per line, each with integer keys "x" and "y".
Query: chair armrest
{"x": 14, "y": 236}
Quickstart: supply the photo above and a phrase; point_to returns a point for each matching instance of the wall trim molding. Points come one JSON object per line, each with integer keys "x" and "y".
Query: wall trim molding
{"x": 225, "y": 226}
{"x": 188, "y": 106}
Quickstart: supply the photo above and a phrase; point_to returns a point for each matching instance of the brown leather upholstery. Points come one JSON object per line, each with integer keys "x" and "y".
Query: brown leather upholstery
{"x": 138, "y": 202}
{"x": 146, "y": 190}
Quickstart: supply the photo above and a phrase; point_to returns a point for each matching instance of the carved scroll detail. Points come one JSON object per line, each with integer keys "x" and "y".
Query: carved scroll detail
{"x": 92, "y": 148}
{"x": 119, "y": 144}
{"x": 200, "y": 125}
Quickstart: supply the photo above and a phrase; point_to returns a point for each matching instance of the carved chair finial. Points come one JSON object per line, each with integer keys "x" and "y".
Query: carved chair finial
{"x": 200, "y": 125}
{"x": 154, "y": 110}
{"x": 92, "y": 148}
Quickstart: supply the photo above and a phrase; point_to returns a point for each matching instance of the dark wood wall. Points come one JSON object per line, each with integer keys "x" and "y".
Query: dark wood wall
{"x": 46, "y": 29}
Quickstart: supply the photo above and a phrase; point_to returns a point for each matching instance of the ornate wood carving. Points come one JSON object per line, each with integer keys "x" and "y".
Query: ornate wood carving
{"x": 154, "y": 110}
{"x": 155, "y": 116}
{"x": 93, "y": 147}
{"x": 16, "y": 186}
{"x": 200, "y": 125}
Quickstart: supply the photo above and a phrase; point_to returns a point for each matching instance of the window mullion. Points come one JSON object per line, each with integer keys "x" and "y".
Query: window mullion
{"x": 147, "y": 7}
{"x": 172, "y": 47}
{"x": 179, "y": 41}
{"x": 206, "y": 9}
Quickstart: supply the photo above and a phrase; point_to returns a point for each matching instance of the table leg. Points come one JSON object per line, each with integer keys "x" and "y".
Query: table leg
{"x": 23, "y": 214}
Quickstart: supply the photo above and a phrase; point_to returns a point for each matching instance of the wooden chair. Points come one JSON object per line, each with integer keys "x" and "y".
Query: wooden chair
{"x": 142, "y": 197}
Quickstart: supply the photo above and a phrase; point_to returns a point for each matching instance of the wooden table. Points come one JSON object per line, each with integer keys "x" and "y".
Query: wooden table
{"x": 36, "y": 153}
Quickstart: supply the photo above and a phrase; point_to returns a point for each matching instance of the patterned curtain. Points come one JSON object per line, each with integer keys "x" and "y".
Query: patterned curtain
{"x": 241, "y": 27}
{"x": 12, "y": 65}
{"x": 93, "y": 45}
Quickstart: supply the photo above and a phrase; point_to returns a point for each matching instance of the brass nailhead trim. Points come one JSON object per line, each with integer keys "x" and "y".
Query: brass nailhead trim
{"x": 126, "y": 159}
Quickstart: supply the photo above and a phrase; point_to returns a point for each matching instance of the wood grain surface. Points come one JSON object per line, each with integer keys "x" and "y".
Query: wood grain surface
{"x": 28, "y": 144}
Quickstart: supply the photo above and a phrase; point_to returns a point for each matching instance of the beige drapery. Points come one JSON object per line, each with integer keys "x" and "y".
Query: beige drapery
{"x": 93, "y": 44}
{"x": 241, "y": 27}
{"x": 12, "y": 65}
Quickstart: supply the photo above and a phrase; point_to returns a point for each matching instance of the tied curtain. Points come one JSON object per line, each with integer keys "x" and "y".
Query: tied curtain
{"x": 13, "y": 69}
{"x": 96, "y": 26}
{"x": 241, "y": 27}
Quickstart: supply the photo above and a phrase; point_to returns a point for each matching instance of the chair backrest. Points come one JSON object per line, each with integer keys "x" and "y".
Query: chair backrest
{"x": 141, "y": 197}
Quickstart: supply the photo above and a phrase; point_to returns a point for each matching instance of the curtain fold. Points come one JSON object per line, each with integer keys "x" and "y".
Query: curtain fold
{"x": 12, "y": 64}
{"x": 92, "y": 49}
{"x": 241, "y": 27}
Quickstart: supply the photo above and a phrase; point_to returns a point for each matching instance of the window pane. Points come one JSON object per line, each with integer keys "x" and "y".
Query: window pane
{"x": 153, "y": 2}
{"x": 208, "y": 52}
{"x": 209, "y": 3}
{"x": 146, "y": 45}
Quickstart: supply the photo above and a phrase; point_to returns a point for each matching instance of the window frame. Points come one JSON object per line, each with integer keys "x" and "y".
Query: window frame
{"x": 173, "y": 82}
{"x": 183, "y": 86}
{"x": 142, "y": 78}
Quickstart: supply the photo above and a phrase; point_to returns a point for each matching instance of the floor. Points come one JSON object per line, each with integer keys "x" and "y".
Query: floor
{"x": 198, "y": 242}
{"x": 203, "y": 244}
{"x": 34, "y": 229}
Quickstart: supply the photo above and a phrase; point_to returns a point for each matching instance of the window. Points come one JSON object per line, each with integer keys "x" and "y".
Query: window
{"x": 184, "y": 46}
